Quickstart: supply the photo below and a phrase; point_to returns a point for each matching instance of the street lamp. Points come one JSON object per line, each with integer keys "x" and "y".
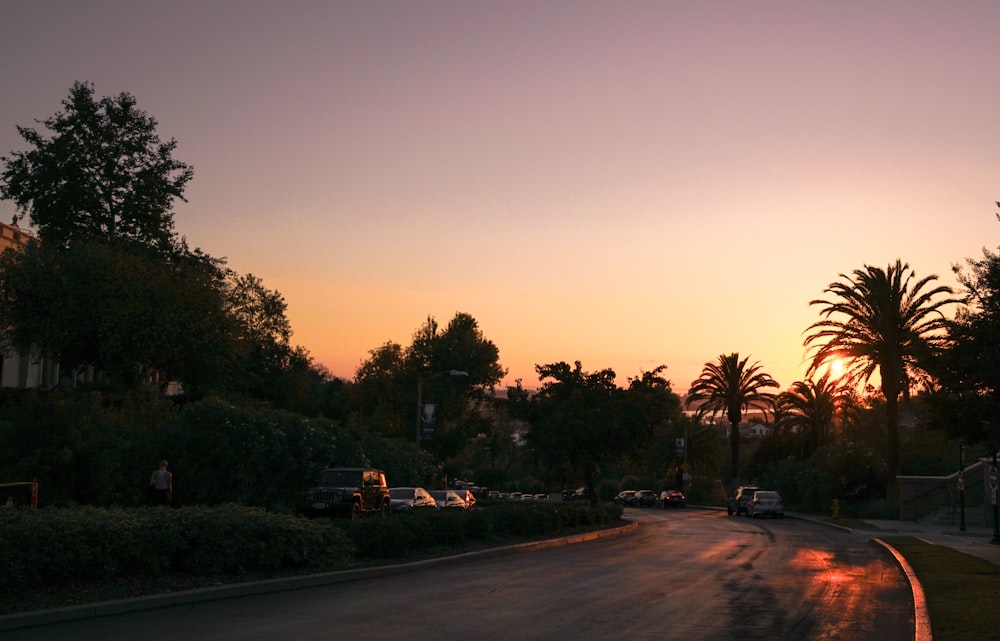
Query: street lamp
{"x": 992, "y": 484}
{"x": 420, "y": 394}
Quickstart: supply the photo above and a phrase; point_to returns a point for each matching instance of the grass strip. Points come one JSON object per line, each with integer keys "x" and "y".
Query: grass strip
{"x": 962, "y": 591}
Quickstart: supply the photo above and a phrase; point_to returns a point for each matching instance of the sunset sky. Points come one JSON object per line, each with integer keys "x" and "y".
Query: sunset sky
{"x": 626, "y": 184}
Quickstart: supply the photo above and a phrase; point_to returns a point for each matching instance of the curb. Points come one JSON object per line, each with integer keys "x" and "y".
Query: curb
{"x": 921, "y": 615}
{"x": 215, "y": 593}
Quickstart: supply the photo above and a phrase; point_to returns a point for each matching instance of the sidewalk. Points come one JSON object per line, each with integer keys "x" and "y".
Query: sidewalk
{"x": 975, "y": 541}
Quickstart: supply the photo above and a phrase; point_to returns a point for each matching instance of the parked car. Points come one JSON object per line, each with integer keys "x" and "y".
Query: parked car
{"x": 404, "y": 499}
{"x": 767, "y": 503}
{"x": 671, "y": 498}
{"x": 625, "y": 497}
{"x": 449, "y": 499}
{"x": 644, "y": 498}
{"x": 579, "y": 494}
{"x": 469, "y": 497}
{"x": 740, "y": 502}
{"x": 347, "y": 491}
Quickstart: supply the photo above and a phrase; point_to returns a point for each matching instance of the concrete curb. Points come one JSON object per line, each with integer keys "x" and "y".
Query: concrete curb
{"x": 201, "y": 595}
{"x": 921, "y": 616}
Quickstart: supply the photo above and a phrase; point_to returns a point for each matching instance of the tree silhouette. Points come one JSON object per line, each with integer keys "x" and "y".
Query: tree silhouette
{"x": 103, "y": 174}
{"x": 731, "y": 387}
{"x": 881, "y": 320}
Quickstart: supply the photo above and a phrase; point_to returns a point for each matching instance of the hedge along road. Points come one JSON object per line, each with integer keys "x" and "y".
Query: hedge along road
{"x": 682, "y": 574}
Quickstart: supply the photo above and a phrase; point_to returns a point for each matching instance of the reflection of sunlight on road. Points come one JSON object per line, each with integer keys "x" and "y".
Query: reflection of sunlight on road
{"x": 840, "y": 586}
{"x": 722, "y": 550}
{"x": 811, "y": 559}
{"x": 821, "y": 562}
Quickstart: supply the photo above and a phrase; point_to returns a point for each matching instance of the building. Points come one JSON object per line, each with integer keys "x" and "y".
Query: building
{"x": 24, "y": 370}
{"x": 13, "y": 237}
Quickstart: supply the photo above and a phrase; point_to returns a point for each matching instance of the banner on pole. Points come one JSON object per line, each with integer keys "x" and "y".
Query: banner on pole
{"x": 427, "y": 421}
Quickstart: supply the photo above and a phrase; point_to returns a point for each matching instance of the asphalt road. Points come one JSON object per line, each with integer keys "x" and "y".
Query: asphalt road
{"x": 684, "y": 574}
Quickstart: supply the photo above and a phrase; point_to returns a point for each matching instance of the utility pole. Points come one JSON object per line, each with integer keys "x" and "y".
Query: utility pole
{"x": 961, "y": 487}
{"x": 993, "y": 496}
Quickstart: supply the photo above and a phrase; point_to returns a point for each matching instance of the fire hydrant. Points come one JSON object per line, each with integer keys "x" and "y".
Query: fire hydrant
{"x": 836, "y": 509}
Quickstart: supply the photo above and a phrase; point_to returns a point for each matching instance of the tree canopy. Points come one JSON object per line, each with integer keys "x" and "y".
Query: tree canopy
{"x": 969, "y": 367}
{"x": 883, "y": 320}
{"x": 102, "y": 173}
{"x": 121, "y": 310}
{"x": 732, "y": 386}
{"x": 110, "y": 287}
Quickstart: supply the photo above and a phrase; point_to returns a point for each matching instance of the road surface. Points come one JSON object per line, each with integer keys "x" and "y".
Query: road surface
{"x": 685, "y": 574}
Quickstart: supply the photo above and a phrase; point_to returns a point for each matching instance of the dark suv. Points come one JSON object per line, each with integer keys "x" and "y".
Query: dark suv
{"x": 348, "y": 491}
{"x": 740, "y": 503}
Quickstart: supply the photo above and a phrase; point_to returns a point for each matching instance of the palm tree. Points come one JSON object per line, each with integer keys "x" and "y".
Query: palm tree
{"x": 732, "y": 387}
{"x": 881, "y": 319}
{"x": 810, "y": 408}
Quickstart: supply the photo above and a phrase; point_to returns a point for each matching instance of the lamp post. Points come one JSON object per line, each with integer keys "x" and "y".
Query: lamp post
{"x": 993, "y": 494}
{"x": 961, "y": 486}
{"x": 420, "y": 394}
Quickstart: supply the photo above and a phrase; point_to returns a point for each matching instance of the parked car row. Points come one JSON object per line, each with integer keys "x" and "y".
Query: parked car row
{"x": 518, "y": 496}
{"x": 648, "y": 498}
{"x": 756, "y": 502}
{"x": 405, "y": 499}
{"x": 356, "y": 491}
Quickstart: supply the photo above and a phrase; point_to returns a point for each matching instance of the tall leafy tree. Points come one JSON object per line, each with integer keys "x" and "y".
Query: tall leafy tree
{"x": 383, "y": 394}
{"x": 886, "y": 321}
{"x": 650, "y": 410}
{"x": 102, "y": 173}
{"x": 969, "y": 370}
{"x": 462, "y": 347}
{"x": 258, "y": 310}
{"x": 574, "y": 421}
{"x": 121, "y": 310}
{"x": 110, "y": 286}
{"x": 732, "y": 387}
{"x": 269, "y": 367}
{"x": 385, "y": 386}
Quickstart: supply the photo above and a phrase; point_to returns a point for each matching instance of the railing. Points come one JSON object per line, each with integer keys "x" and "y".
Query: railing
{"x": 920, "y": 496}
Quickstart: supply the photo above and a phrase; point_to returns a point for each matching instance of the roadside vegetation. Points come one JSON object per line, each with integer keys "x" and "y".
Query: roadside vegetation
{"x": 69, "y": 556}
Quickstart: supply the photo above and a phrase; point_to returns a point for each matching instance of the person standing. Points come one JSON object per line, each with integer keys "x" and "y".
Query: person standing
{"x": 161, "y": 484}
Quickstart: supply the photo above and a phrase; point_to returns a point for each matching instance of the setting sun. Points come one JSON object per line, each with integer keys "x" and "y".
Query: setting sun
{"x": 837, "y": 368}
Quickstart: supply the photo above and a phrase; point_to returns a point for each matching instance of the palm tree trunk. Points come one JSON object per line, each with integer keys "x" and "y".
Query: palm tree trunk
{"x": 734, "y": 444}
{"x": 890, "y": 389}
{"x": 892, "y": 431}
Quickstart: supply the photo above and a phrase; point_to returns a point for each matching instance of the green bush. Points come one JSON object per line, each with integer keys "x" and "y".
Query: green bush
{"x": 41, "y": 547}
{"x": 88, "y": 545}
{"x": 403, "y": 535}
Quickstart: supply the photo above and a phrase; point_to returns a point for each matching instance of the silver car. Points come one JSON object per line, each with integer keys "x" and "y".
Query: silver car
{"x": 766, "y": 503}
{"x": 449, "y": 499}
{"x": 404, "y": 499}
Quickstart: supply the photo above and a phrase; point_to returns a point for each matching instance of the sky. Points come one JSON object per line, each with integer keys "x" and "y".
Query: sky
{"x": 625, "y": 184}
